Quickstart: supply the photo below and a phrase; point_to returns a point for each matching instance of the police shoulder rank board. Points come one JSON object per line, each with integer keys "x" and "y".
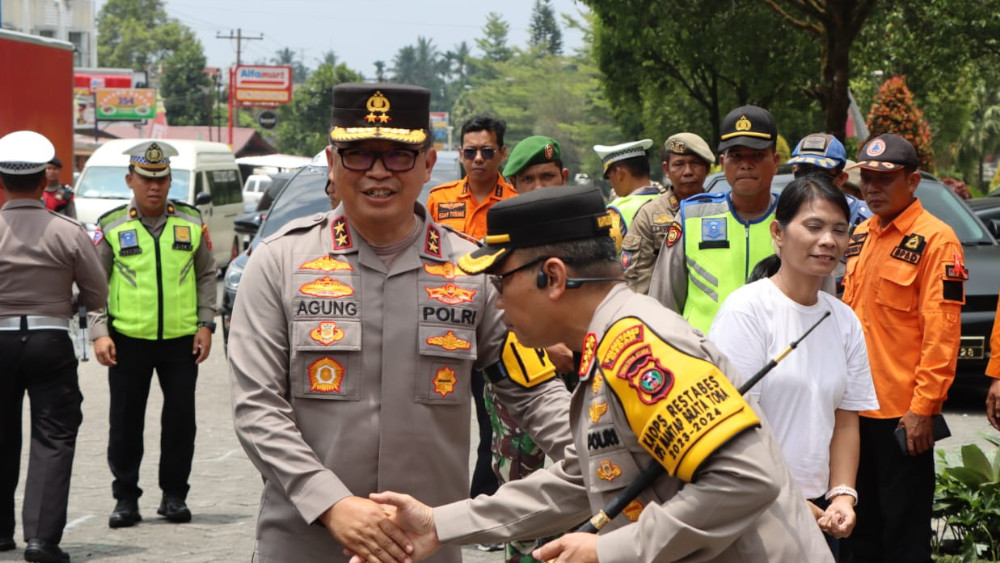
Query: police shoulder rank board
{"x": 525, "y": 366}
{"x": 681, "y": 408}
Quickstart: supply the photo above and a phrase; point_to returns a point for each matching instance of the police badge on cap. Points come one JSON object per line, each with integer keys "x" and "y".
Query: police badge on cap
{"x": 393, "y": 112}
{"x": 151, "y": 158}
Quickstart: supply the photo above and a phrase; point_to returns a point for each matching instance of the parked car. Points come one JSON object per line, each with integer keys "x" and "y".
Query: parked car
{"x": 246, "y": 225}
{"x": 253, "y": 189}
{"x": 982, "y": 259}
{"x": 988, "y": 210}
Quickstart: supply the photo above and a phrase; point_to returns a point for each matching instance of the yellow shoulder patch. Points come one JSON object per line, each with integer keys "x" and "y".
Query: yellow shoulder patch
{"x": 526, "y": 366}
{"x": 681, "y": 408}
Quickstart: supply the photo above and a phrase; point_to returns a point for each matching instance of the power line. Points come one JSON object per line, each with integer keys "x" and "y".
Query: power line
{"x": 240, "y": 38}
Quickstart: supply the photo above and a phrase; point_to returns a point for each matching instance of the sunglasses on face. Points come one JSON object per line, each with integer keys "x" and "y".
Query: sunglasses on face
{"x": 470, "y": 152}
{"x": 394, "y": 160}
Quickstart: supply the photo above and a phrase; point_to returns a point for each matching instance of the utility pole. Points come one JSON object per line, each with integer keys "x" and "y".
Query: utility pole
{"x": 240, "y": 38}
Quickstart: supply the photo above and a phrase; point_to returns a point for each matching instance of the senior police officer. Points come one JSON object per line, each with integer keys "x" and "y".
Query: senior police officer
{"x": 686, "y": 160}
{"x": 727, "y": 495}
{"x": 905, "y": 281}
{"x": 626, "y": 168}
{"x": 42, "y": 254}
{"x": 716, "y": 239}
{"x": 353, "y": 338}
{"x": 536, "y": 162}
{"x": 158, "y": 259}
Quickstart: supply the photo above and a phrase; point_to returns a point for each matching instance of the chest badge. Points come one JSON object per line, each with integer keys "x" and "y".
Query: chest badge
{"x": 327, "y": 264}
{"x": 713, "y": 229}
{"x": 633, "y": 510}
{"x": 444, "y": 381}
{"x": 449, "y": 342}
{"x": 182, "y": 237}
{"x": 597, "y": 410}
{"x": 326, "y": 287}
{"x": 326, "y": 375}
{"x": 128, "y": 241}
{"x": 608, "y": 471}
{"x": 446, "y": 270}
{"x": 327, "y": 333}
{"x": 450, "y": 294}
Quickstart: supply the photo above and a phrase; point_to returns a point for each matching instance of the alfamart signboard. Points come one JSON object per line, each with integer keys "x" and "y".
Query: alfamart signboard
{"x": 256, "y": 85}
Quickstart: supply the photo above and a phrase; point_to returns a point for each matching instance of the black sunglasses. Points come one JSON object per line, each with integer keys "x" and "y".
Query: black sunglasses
{"x": 470, "y": 152}
{"x": 394, "y": 160}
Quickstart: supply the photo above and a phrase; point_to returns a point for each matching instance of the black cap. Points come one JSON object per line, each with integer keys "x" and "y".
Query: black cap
{"x": 886, "y": 153}
{"x": 56, "y": 162}
{"x": 748, "y": 126}
{"x": 555, "y": 214}
{"x": 393, "y": 112}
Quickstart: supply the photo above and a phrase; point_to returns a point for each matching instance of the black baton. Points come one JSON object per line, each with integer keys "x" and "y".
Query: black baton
{"x": 651, "y": 473}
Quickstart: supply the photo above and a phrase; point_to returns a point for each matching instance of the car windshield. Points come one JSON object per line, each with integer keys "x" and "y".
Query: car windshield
{"x": 108, "y": 182}
{"x": 933, "y": 195}
{"x": 302, "y": 196}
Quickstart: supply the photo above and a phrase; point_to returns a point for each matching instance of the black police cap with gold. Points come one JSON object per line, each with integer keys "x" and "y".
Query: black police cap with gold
{"x": 748, "y": 126}
{"x": 392, "y": 112}
{"x": 151, "y": 158}
{"x": 555, "y": 214}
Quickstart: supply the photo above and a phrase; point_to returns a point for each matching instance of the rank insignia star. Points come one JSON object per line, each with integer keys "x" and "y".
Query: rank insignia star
{"x": 432, "y": 243}
{"x": 341, "y": 234}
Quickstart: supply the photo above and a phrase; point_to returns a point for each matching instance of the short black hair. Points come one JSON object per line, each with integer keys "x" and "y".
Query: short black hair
{"x": 22, "y": 183}
{"x": 594, "y": 257}
{"x": 803, "y": 190}
{"x": 484, "y": 123}
{"x": 637, "y": 166}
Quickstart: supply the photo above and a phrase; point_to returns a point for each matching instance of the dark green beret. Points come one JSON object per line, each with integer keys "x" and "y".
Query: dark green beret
{"x": 533, "y": 150}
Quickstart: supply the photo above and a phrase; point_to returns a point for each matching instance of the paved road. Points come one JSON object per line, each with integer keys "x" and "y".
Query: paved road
{"x": 224, "y": 485}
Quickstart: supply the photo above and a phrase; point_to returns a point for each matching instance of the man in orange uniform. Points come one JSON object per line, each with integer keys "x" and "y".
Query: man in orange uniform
{"x": 993, "y": 370}
{"x": 462, "y": 204}
{"x": 905, "y": 281}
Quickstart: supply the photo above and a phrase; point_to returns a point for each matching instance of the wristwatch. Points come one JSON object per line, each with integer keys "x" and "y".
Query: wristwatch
{"x": 209, "y": 325}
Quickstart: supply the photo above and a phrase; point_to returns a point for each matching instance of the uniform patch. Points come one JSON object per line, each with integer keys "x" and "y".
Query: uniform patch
{"x": 608, "y": 471}
{"x": 626, "y": 259}
{"x": 129, "y": 243}
{"x": 326, "y": 375}
{"x": 341, "y": 234}
{"x": 450, "y": 210}
{"x": 597, "y": 410}
{"x": 857, "y": 243}
{"x": 587, "y": 355}
{"x": 673, "y": 234}
{"x": 449, "y": 341}
{"x": 326, "y": 287}
{"x": 633, "y": 510}
{"x": 444, "y": 381}
{"x": 182, "y": 237}
{"x": 662, "y": 218}
{"x": 450, "y": 294}
{"x": 713, "y": 233}
{"x": 956, "y": 269}
{"x": 910, "y": 249}
{"x": 98, "y": 236}
{"x": 327, "y": 264}
{"x": 602, "y": 439}
{"x": 448, "y": 270}
{"x": 204, "y": 235}
{"x": 680, "y": 415}
{"x": 326, "y": 333}
{"x": 597, "y": 383}
{"x": 432, "y": 242}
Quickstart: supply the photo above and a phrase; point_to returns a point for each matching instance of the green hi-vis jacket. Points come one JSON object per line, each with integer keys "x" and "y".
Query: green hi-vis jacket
{"x": 623, "y": 210}
{"x": 153, "y": 284}
{"x": 709, "y": 254}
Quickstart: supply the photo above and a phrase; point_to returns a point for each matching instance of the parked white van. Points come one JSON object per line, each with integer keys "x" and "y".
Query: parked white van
{"x": 253, "y": 190}
{"x": 204, "y": 174}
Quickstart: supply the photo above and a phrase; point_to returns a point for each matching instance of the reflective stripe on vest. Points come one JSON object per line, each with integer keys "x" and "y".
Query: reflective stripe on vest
{"x": 721, "y": 251}
{"x": 153, "y": 290}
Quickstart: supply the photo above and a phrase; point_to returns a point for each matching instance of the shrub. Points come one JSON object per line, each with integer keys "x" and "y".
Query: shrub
{"x": 894, "y": 111}
{"x": 967, "y": 502}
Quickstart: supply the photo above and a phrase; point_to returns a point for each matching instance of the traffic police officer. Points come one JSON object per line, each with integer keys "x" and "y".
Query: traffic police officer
{"x": 905, "y": 281}
{"x": 536, "y": 162}
{"x": 162, "y": 276}
{"x": 42, "y": 254}
{"x": 716, "y": 239}
{"x": 58, "y": 197}
{"x": 686, "y": 160}
{"x": 653, "y": 390}
{"x": 353, "y": 337}
{"x": 626, "y": 168}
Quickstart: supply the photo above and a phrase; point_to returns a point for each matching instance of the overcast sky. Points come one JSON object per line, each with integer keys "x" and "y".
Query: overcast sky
{"x": 360, "y": 32}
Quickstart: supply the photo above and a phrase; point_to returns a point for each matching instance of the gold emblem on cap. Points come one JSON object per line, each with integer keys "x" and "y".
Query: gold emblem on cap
{"x": 743, "y": 124}
{"x": 550, "y": 152}
{"x": 153, "y": 154}
{"x": 378, "y": 104}
{"x": 679, "y": 147}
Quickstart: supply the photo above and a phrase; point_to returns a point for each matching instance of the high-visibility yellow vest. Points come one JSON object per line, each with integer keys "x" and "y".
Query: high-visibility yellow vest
{"x": 153, "y": 292}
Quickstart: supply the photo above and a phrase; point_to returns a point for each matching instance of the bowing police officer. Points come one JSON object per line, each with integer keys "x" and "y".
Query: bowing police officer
{"x": 158, "y": 259}
{"x": 42, "y": 253}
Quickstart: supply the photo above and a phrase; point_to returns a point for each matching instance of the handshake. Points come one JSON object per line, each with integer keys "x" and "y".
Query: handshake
{"x": 392, "y": 527}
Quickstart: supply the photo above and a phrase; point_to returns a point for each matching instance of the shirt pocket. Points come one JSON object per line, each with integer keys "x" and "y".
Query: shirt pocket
{"x": 897, "y": 291}
{"x": 326, "y": 359}
{"x": 444, "y": 369}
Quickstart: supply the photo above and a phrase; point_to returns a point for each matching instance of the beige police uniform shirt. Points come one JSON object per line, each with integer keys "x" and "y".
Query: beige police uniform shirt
{"x": 742, "y": 506}
{"x": 41, "y": 254}
{"x": 641, "y": 245}
{"x": 204, "y": 266}
{"x": 351, "y": 377}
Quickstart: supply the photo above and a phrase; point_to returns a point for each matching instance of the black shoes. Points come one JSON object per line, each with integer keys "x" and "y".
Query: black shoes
{"x": 7, "y": 544}
{"x": 174, "y": 509}
{"x": 126, "y": 514}
{"x": 41, "y": 551}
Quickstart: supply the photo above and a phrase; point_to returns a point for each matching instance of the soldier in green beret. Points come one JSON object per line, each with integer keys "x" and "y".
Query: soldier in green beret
{"x": 536, "y": 162}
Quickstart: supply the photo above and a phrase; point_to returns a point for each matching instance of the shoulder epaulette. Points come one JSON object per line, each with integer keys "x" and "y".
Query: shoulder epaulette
{"x": 704, "y": 198}
{"x": 443, "y": 186}
{"x": 301, "y": 223}
{"x": 109, "y": 213}
{"x": 455, "y": 231}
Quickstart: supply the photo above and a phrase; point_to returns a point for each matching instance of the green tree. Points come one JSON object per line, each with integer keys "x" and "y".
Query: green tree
{"x": 493, "y": 43}
{"x": 982, "y": 132}
{"x": 545, "y": 36}
{"x": 423, "y": 65}
{"x": 137, "y": 34}
{"x": 895, "y": 111}
{"x": 380, "y": 71}
{"x": 286, "y": 56}
{"x": 303, "y": 124}
{"x": 329, "y": 58}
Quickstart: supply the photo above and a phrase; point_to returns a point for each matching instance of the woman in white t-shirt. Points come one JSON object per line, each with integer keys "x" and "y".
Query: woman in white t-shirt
{"x": 812, "y": 398}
